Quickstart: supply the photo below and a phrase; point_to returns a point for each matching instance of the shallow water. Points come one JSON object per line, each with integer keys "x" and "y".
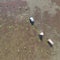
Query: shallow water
{"x": 44, "y": 5}
{"x": 49, "y": 21}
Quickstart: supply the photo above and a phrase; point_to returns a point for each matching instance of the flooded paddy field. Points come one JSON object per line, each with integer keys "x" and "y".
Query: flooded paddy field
{"x": 19, "y": 40}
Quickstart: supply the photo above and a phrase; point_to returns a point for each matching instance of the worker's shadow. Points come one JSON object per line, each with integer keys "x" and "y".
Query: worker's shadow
{"x": 40, "y": 37}
{"x": 50, "y": 44}
{"x": 32, "y": 23}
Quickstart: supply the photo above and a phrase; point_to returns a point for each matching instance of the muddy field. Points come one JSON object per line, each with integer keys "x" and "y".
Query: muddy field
{"x": 19, "y": 40}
